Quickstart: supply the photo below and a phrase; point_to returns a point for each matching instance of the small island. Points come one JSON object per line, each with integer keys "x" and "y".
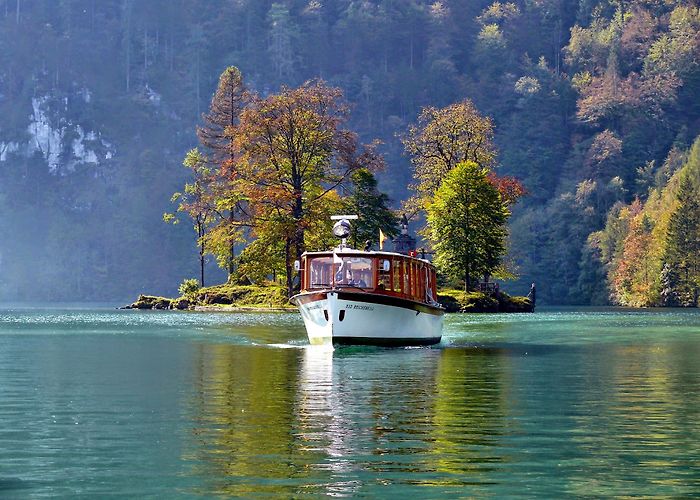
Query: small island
{"x": 270, "y": 170}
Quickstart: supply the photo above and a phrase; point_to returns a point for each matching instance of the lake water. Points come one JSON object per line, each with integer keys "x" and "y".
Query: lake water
{"x": 557, "y": 403}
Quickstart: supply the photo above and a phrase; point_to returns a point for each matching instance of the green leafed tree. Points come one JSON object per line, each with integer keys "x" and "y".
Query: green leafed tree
{"x": 683, "y": 243}
{"x": 371, "y": 205}
{"x": 195, "y": 201}
{"x": 466, "y": 224}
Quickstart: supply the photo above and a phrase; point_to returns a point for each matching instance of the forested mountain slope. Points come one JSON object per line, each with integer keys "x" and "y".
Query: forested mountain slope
{"x": 594, "y": 103}
{"x": 650, "y": 251}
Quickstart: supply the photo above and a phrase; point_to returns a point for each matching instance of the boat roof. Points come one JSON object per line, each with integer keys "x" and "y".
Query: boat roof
{"x": 355, "y": 252}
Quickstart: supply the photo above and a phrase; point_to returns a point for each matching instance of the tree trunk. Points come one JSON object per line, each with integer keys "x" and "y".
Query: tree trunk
{"x": 298, "y": 230}
{"x": 201, "y": 267}
{"x": 232, "y": 256}
{"x": 288, "y": 265}
{"x": 200, "y": 233}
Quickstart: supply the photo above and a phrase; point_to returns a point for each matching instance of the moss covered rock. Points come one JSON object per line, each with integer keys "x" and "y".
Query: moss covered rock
{"x": 461, "y": 301}
{"x": 515, "y": 304}
{"x": 181, "y": 304}
{"x": 151, "y": 302}
{"x": 233, "y": 295}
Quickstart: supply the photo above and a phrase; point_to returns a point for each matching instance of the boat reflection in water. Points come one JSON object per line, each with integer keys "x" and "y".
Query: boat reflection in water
{"x": 416, "y": 416}
{"x": 323, "y": 426}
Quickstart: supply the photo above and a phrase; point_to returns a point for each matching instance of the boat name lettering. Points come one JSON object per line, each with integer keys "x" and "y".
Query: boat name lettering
{"x": 357, "y": 306}
{"x": 315, "y": 306}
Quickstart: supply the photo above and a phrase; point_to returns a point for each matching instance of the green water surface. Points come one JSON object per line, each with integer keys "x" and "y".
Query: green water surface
{"x": 558, "y": 403}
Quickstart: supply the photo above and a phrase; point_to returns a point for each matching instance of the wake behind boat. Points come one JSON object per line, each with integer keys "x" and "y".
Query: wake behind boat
{"x": 351, "y": 296}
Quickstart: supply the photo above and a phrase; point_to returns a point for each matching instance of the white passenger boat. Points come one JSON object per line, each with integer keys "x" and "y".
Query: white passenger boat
{"x": 352, "y": 296}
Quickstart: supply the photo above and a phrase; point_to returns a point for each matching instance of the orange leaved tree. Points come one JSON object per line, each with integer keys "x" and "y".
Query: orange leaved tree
{"x": 291, "y": 152}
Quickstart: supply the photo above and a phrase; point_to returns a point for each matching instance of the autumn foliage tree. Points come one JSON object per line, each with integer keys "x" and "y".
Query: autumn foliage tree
{"x": 651, "y": 251}
{"x": 442, "y": 138}
{"x": 633, "y": 276}
{"x": 227, "y": 103}
{"x": 291, "y": 151}
{"x": 450, "y": 146}
{"x": 510, "y": 188}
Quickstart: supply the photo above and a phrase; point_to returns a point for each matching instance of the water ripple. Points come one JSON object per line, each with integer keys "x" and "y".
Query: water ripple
{"x": 554, "y": 404}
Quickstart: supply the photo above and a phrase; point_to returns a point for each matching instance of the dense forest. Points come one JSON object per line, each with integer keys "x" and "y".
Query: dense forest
{"x": 650, "y": 250}
{"x": 595, "y": 106}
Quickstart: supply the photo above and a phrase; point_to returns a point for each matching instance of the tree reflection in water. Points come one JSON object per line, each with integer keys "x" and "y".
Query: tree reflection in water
{"x": 311, "y": 420}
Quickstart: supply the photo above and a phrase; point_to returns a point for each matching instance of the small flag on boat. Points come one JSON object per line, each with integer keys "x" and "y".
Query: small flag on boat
{"x": 382, "y": 239}
{"x": 337, "y": 259}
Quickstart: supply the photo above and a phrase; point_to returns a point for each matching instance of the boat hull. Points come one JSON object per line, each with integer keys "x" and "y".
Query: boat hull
{"x": 360, "y": 318}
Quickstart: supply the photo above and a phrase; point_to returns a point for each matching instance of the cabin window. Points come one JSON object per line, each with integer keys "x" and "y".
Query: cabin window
{"x": 384, "y": 275}
{"x": 416, "y": 278}
{"x": 396, "y": 270}
{"x": 414, "y": 281}
{"x": 419, "y": 281}
{"x": 406, "y": 278}
{"x": 354, "y": 272}
{"x": 320, "y": 272}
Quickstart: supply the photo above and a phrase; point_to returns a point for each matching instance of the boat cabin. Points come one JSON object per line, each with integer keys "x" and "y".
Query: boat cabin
{"x": 384, "y": 273}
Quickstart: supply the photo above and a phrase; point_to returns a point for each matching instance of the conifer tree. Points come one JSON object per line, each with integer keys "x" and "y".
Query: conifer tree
{"x": 683, "y": 243}
{"x": 669, "y": 287}
{"x": 227, "y": 103}
{"x": 371, "y": 205}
